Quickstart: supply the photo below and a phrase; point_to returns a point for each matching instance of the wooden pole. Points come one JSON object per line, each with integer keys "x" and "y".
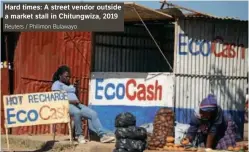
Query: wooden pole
{"x": 54, "y": 130}
{"x": 7, "y": 137}
{"x": 70, "y": 131}
{"x": 163, "y": 3}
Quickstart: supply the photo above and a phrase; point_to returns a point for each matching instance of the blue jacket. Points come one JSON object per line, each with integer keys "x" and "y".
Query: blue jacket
{"x": 217, "y": 126}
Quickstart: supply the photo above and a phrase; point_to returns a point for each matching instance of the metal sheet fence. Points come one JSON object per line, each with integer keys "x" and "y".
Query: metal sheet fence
{"x": 37, "y": 57}
{"x": 191, "y": 90}
{"x": 4, "y": 91}
{"x": 211, "y": 57}
{"x": 212, "y": 47}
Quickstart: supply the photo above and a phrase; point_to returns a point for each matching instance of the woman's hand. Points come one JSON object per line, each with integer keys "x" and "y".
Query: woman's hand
{"x": 210, "y": 140}
{"x": 185, "y": 141}
{"x": 76, "y": 84}
{"x": 74, "y": 102}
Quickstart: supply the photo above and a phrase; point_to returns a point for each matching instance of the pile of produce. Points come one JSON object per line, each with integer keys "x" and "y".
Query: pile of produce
{"x": 170, "y": 146}
{"x": 129, "y": 137}
{"x": 238, "y": 148}
{"x": 163, "y": 127}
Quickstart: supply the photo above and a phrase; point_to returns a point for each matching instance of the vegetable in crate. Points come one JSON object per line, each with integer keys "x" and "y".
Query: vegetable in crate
{"x": 125, "y": 119}
{"x": 164, "y": 111}
{"x": 163, "y": 127}
{"x": 131, "y": 132}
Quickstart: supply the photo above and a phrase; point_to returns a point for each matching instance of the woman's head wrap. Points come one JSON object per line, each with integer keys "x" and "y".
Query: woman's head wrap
{"x": 209, "y": 103}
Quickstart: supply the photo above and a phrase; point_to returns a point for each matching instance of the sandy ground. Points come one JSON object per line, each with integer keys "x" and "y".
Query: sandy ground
{"x": 46, "y": 143}
{"x": 61, "y": 143}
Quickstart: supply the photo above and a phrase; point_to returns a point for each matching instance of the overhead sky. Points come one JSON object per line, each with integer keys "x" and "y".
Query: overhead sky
{"x": 217, "y": 8}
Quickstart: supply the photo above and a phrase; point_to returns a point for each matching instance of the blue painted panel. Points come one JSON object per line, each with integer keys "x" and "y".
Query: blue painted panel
{"x": 107, "y": 114}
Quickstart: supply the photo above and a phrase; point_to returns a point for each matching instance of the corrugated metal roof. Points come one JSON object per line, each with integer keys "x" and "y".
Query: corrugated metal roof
{"x": 197, "y": 15}
{"x": 145, "y": 13}
{"x": 193, "y": 13}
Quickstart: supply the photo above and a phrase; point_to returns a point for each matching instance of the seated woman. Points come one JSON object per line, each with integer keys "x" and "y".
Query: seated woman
{"x": 78, "y": 111}
{"x": 209, "y": 128}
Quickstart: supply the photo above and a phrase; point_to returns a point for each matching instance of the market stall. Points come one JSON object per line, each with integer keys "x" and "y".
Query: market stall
{"x": 163, "y": 137}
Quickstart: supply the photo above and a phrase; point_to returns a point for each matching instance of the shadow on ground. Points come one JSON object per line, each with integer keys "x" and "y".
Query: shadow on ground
{"x": 47, "y": 146}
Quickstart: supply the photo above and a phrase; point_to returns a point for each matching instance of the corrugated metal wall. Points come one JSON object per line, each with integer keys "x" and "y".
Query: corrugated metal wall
{"x": 133, "y": 50}
{"x": 37, "y": 57}
{"x": 211, "y": 57}
{"x": 4, "y": 91}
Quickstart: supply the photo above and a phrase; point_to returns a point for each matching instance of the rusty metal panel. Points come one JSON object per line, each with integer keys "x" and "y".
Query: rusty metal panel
{"x": 211, "y": 57}
{"x": 4, "y": 91}
{"x": 133, "y": 50}
{"x": 37, "y": 57}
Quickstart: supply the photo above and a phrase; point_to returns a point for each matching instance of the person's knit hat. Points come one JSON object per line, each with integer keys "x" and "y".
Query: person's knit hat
{"x": 209, "y": 103}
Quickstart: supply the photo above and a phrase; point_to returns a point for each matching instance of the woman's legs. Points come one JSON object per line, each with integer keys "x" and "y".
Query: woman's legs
{"x": 94, "y": 123}
{"x": 76, "y": 113}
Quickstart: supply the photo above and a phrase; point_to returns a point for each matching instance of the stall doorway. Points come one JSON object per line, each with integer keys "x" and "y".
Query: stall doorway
{"x": 134, "y": 50}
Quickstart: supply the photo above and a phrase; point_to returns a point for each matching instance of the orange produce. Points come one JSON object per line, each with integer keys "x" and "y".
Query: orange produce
{"x": 171, "y": 148}
{"x": 176, "y": 145}
{"x": 230, "y": 148}
{"x": 175, "y": 148}
{"x": 170, "y": 144}
{"x": 166, "y": 147}
{"x": 181, "y": 149}
{"x": 170, "y": 139}
{"x": 185, "y": 141}
{"x": 236, "y": 148}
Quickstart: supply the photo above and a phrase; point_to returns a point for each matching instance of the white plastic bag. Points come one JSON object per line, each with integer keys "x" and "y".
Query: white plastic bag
{"x": 180, "y": 131}
{"x": 148, "y": 127}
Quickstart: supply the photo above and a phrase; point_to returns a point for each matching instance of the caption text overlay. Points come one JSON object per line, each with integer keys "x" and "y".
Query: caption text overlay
{"x": 63, "y": 16}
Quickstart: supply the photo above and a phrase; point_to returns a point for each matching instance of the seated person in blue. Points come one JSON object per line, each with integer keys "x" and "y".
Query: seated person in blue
{"x": 61, "y": 83}
{"x": 209, "y": 128}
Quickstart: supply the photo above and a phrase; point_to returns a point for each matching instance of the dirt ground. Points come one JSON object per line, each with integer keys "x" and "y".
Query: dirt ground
{"x": 61, "y": 143}
{"x": 46, "y": 143}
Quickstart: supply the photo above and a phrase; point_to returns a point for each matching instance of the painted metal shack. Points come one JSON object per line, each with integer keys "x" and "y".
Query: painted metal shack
{"x": 211, "y": 57}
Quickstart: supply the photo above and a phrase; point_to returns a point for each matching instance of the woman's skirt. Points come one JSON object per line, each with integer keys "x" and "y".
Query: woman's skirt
{"x": 229, "y": 139}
